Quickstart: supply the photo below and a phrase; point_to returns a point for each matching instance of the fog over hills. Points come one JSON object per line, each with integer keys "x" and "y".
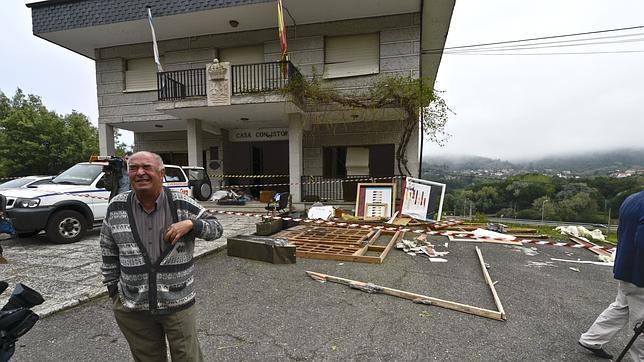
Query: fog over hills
{"x": 618, "y": 159}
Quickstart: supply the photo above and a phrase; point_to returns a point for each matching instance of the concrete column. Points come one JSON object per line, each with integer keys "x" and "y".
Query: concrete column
{"x": 295, "y": 137}
{"x": 413, "y": 152}
{"x": 195, "y": 148}
{"x": 105, "y": 139}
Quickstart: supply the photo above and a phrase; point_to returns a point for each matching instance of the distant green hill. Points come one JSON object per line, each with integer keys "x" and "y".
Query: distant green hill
{"x": 600, "y": 162}
{"x": 593, "y": 162}
{"x": 466, "y": 162}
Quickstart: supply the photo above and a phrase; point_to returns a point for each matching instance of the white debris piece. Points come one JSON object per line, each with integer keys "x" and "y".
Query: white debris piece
{"x": 580, "y": 231}
{"x": 482, "y": 233}
{"x": 438, "y": 260}
{"x": 527, "y": 251}
{"x": 540, "y": 264}
{"x": 584, "y": 262}
{"x": 320, "y": 212}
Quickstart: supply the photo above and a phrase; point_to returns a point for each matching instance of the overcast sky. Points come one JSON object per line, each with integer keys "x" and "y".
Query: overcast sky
{"x": 507, "y": 106}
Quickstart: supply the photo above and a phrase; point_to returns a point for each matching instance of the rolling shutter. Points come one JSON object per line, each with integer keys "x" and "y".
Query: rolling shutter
{"x": 351, "y": 55}
{"x": 242, "y": 55}
{"x": 141, "y": 75}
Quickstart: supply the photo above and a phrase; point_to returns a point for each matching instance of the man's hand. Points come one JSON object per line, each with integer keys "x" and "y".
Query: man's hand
{"x": 177, "y": 230}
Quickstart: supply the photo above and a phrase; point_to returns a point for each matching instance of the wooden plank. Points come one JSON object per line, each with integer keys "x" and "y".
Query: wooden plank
{"x": 340, "y": 257}
{"x": 488, "y": 280}
{"x": 417, "y": 298}
{"x": 488, "y": 241}
{"x": 379, "y": 248}
{"x": 375, "y": 236}
{"x": 398, "y": 235}
{"x": 402, "y": 221}
{"x": 332, "y": 243}
{"x": 585, "y": 243}
{"x": 368, "y": 236}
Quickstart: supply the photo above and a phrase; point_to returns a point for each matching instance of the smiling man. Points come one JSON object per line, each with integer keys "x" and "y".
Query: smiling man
{"x": 147, "y": 243}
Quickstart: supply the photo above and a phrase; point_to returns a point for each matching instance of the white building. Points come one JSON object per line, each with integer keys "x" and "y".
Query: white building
{"x": 216, "y": 118}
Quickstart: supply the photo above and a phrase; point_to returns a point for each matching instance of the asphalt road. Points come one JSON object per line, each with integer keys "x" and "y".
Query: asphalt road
{"x": 588, "y": 226}
{"x": 250, "y": 310}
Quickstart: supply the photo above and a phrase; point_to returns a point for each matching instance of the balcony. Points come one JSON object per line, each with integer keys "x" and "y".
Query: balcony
{"x": 181, "y": 84}
{"x": 244, "y": 80}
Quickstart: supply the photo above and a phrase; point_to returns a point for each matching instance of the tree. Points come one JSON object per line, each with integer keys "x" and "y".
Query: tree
{"x": 34, "y": 140}
{"x": 419, "y": 103}
{"x": 578, "y": 207}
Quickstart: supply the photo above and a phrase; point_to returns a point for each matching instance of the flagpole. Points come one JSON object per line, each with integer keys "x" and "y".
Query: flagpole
{"x": 281, "y": 28}
{"x": 155, "y": 48}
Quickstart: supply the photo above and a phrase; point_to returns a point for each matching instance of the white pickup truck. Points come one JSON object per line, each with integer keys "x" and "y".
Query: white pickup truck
{"x": 74, "y": 201}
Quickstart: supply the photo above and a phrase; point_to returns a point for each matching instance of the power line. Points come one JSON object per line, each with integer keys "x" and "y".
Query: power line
{"x": 534, "y": 46}
{"x": 528, "y": 47}
{"x": 438, "y": 50}
{"x": 560, "y": 53}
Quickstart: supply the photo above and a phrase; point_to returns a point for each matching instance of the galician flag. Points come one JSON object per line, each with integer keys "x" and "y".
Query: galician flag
{"x": 282, "y": 34}
{"x": 154, "y": 42}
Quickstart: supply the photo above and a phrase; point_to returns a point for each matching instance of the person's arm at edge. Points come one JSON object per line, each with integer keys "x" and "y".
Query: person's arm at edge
{"x": 110, "y": 267}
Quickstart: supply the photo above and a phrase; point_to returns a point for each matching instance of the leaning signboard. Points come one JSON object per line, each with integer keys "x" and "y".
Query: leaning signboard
{"x": 421, "y": 198}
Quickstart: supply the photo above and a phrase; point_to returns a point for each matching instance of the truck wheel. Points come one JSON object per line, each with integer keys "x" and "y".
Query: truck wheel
{"x": 66, "y": 226}
{"x": 202, "y": 190}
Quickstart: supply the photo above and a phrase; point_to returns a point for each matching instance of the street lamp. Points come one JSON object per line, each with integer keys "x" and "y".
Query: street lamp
{"x": 543, "y": 209}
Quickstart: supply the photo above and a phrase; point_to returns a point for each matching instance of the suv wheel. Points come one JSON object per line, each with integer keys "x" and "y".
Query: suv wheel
{"x": 66, "y": 226}
{"x": 202, "y": 190}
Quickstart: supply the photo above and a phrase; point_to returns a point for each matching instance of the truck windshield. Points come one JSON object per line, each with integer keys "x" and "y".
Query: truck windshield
{"x": 81, "y": 174}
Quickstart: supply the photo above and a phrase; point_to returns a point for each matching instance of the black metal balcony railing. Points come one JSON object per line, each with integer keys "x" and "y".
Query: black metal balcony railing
{"x": 245, "y": 79}
{"x": 261, "y": 77}
{"x": 181, "y": 84}
{"x": 341, "y": 188}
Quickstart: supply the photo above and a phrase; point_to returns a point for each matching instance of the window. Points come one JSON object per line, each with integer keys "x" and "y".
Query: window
{"x": 174, "y": 174}
{"x": 346, "y": 56}
{"x": 333, "y": 160}
{"x": 141, "y": 75}
{"x": 249, "y": 78}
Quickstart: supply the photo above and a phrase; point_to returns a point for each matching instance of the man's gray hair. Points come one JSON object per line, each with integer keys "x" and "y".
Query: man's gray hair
{"x": 156, "y": 157}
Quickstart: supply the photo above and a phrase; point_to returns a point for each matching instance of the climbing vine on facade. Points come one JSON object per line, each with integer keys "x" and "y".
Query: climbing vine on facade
{"x": 418, "y": 103}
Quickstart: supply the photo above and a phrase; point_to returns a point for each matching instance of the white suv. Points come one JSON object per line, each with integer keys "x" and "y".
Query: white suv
{"x": 74, "y": 201}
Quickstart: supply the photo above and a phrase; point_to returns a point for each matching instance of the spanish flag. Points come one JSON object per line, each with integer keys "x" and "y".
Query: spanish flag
{"x": 282, "y": 34}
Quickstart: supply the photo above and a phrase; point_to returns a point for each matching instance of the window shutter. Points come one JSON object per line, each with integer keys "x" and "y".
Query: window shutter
{"x": 351, "y": 55}
{"x": 141, "y": 75}
{"x": 242, "y": 55}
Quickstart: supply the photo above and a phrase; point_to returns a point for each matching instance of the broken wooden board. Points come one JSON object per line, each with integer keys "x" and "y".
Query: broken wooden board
{"x": 401, "y": 221}
{"x": 416, "y": 298}
{"x": 489, "y": 282}
{"x": 456, "y": 236}
{"x": 590, "y": 246}
{"x": 333, "y": 243}
{"x": 441, "y": 225}
{"x": 472, "y": 227}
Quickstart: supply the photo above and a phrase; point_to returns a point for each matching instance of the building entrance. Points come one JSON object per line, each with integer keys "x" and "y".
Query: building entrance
{"x": 257, "y": 159}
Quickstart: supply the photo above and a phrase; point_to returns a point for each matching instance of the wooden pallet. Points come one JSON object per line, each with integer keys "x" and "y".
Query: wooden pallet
{"x": 333, "y": 243}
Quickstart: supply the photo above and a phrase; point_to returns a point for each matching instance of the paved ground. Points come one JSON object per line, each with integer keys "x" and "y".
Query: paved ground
{"x": 250, "y": 310}
{"x": 69, "y": 274}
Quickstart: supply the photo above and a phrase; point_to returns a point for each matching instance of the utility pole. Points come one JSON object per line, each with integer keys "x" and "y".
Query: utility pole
{"x": 543, "y": 209}
{"x": 464, "y": 204}
{"x": 471, "y": 210}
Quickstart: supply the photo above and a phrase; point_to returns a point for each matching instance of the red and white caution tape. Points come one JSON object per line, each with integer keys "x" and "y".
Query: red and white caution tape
{"x": 417, "y": 231}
